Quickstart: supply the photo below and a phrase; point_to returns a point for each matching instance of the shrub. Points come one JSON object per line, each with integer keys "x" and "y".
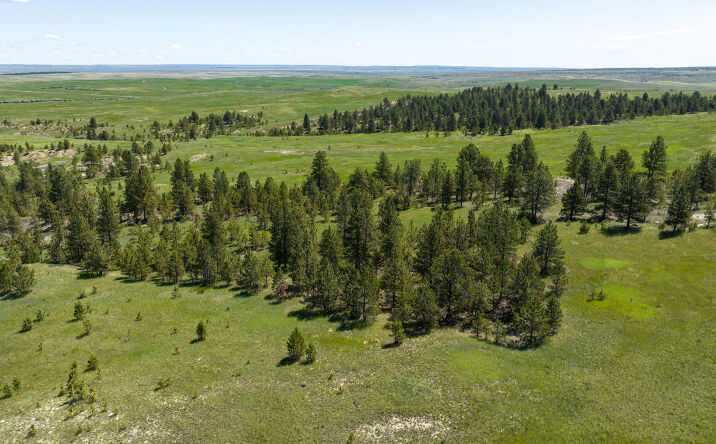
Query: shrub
{"x": 6, "y": 391}
{"x": 32, "y": 432}
{"x": 296, "y": 345}
{"x": 139, "y": 317}
{"x": 201, "y": 331}
{"x": 40, "y": 315}
{"x": 26, "y": 325}
{"x": 163, "y": 383}
{"x": 500, "y": 332}
{"x": 480, "y": 325}
{"x": 584, "y": 228}
{"x": 16, "y": 383}
{"x": 23, "y": 280}
{"x": 80, "y": 310}
{"x": 397, "y": 330}
{"x": 280, "y": 292}
{"x": 87, "y": 325}
{"x": 311, "y": 353}
{"x": 74, "y": 387}
{"x": 92, "y": 363}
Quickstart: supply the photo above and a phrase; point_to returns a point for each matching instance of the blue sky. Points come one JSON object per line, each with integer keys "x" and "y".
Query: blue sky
{"x": 571, "y": 34}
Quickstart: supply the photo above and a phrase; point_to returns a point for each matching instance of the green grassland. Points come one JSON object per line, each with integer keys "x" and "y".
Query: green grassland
{"x": 637, "y": 366}
{"x": 282, "y": 98}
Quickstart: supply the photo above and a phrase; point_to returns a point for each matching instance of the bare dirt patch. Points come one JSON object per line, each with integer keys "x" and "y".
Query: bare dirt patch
{"x": 562, "y": 185}
{"x": 197, "y": 157}
{"x": 401, "y": 429}
{"x": 38, "y": 156}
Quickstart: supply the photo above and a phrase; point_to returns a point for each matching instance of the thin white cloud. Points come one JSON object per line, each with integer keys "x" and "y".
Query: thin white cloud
{"x": 176, "y": 46}
{"x": 52, "y": 36}
{"x": 286, "y": 49}
{"x": 671, "y": 31}
{"x": 358, "y": 44}
{"x": 14, "y": 1}
{"x": 608, "y": 47}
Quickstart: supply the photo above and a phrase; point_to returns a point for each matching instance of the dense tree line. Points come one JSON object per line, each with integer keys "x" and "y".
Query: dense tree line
{"x": 497, "y": 110}
{"x": 608, "y": 184}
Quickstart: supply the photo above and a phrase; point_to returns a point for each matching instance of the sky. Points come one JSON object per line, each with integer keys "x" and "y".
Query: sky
{"x": 516, "y": 33}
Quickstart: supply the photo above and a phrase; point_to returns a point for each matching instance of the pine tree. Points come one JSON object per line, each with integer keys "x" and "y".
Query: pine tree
{"x": 547, "y": 250}
{"x": 311, "y": 353}
{"x": 96, "y": 261}
{"x": 108, "y": 224}
{"x": 573, "y": 201}
{"x": 396, "y": 329}
{"x": 554, "y": 314}
{"x": 361, "y": 293}
{"x": 394, "y": 278}
{"x": 390, "y": 229}
{"x": 540, "y": 190}
{"x": 631, "y": 198}
{"x": 205, "y": 188}
{"x": 679, "y": 211}
{"x": 80, "y": 236}
{"x": 607, "y": 186}
{"x": 383, "y": 169}
{"x": 424, "y": 308}
{"x": 532, "y": 322}
{"x": 654, "y": 159}
{"x": 296, "y": 345}
{"x": 23, "y": 280}
{"x": 201, "y": 331}
{"x": 327, "y": 288}
{"x": 710, "y": 213}
{"x": 447, "y": 190}
{"x": 138, "y": 192}
{"x": 451, "y": 279}
{"x": 306, "y": 124}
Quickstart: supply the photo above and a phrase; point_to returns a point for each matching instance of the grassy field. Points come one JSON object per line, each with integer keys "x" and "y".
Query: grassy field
{"x": 139, "y": 101}
{"x": 636, "y": 367}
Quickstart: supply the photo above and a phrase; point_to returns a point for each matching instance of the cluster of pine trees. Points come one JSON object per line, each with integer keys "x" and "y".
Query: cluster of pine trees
{"x": 451, "y": 271}
{"x": 608, "y": 185}
{"x": 497, "y": 110}
{"x": 445, "y": 272}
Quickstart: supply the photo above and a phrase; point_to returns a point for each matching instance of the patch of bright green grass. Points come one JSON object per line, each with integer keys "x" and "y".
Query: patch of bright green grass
{"x": 602, "y": 263}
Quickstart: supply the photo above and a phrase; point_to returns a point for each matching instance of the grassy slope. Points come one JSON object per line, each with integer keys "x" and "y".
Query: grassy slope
{"x": 636, "y": 366}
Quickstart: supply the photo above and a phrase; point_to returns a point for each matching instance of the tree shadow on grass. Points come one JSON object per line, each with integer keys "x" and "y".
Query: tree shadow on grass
{"x": 352, "y": 324}
{"x": 670, "y": 234}
{"x": 285, "y": 362}
{"x": 83, "y": 275}
{"x": 390, "y": 345}
{"x": 243, "y": 293}
{"x": 11, "y": 296}
{"x": 620, "y": 230}
{"x": 306, "y": 314}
